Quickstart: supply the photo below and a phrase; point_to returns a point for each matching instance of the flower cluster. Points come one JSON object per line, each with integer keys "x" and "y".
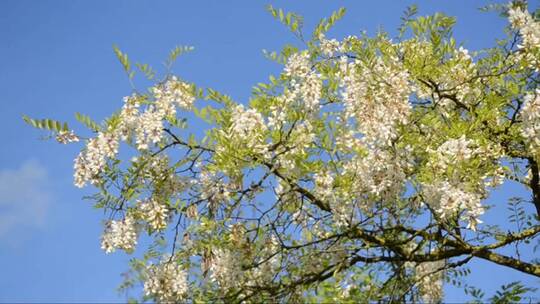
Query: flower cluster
{"x": 380, "y": 173}
{"x": 529, "y": 30}
{"x": 173, "y": 93}
{"x": 377, "y": 97}
{"x": 166, "y": 282}
{"x": 454, "y": 151}
{"x": 329, "y": 47}
{"x": 449, "y": 199}
{"x": 305, "y": 84}
{"x": 225, "y": 268}
{"x": 430, "y": 281}
{"x": 148, "y": 129}
{"x": 530, "y": 115}
{"x": 154, "y": 213}
{"x": 246, "y": 124}
{"x": 451, "y": 192}
{"x": 91, "y": 161}
{"x": 129, "y": 116}
{"x": 323, "y": 184}
{"x": 65, "y": 137}
{"x": 120, "y": 234}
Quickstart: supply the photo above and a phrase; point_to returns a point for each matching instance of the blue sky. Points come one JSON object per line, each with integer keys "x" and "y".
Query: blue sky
{"x": 56, "y": 59}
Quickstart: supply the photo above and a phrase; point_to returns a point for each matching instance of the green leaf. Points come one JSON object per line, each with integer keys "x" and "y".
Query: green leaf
{"x": 87, "y": 121}
{"x": 176, "y": 52}
{"x": 47, "y": 124}
{"x": 123, "y": 58}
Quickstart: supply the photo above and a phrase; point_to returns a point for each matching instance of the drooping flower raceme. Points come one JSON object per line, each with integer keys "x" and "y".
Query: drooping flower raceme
{"x": 166, "y": 282}
{"x": 454, "y": 151}
{"x": 430, "y": 281}
{"x": 225, "y": 268}
{"x": 171, "y": 94}
{"x": 91, "y": 161}
{"x": 155, "y": 213}
{"x": 528, "y": 28}
{"x": 120, "y": 234}
{"x": 530, "y": 115}
{"x": 65, "y": 137}
{"x": 449, "y": 194}
{"x": 305, "y": 83}
{"x": 376, "y": 97}
{"x": 448, "y": 200}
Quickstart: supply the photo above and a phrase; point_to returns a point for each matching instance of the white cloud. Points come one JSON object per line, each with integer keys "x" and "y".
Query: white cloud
{"x": 24, "y": 197}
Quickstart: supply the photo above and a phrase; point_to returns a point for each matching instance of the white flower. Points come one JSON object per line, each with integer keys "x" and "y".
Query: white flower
{"x": 246, "y": 124}
{"x": 329, "y": 47}
{"x": 171, "y": 94}
{"x": 120, "y": 235}
{"x": 65, "y": 137}
{"x": 323, "y": 184}
{"x": 305, "y": 84}
{"x": 529, "y": 29}
{"x": 448, "y": 200}
{"x": 91, "y": 161}
{"x": 455, "y": 151}
{"x": 530, "y": 114}
{"x": 149, "y": 129}
{"x": 430, "y": 281}
{"x": 225, "y": 268}
{"x": 166, "y": 282}
{"x": 376, "y": 97}
{"x": 129, "y": 116}
{"x": 298, "y": 65}
{"x": 155, "y": 213}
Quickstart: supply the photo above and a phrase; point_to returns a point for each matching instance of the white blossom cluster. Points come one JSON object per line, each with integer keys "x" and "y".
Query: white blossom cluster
{"x": 225, "y": 268}
{"x": 212, "y": 188}
{"x": 529, "y": 30}
{"x": 324, "y": 184}
{"x": 381, "y": 173}
{"x": 449, "y": 199}
{"x": 173, "y": 93}
{"x": 329, "y": 47}
{"x": 342, "y": 209}
{"x": 450, "y": 194}
{"x": 166, "y": 282}
{"x": 91, "y": 161}
{"x": 458, "y": 79}
{"x": 65, "y": 137}
{"x": 269, "y": 260}
{"x": 376, "y": 97}
{"x": 430, "y": 281}
{"x": 300, "y": 138}
{"x": 154, "y": 213}
{"x": 120, "y": 234}
{"x": 530, "y": 114}
{"x": 129, "y": 116}
{"x": 247, "y": 124}
{"x": 148, "y": 129}
{"x": 305, "y": 84}
{"x": 454, "y": 151}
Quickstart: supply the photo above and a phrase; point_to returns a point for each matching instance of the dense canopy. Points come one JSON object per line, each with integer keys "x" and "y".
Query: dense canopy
{"x": 360, "y": 173}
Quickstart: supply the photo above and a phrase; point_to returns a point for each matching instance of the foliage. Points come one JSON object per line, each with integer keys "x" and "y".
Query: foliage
{"x": 360, "y": 173}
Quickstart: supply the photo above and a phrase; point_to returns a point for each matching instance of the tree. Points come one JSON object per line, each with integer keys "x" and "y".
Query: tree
{"x": 360, "y": 173}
